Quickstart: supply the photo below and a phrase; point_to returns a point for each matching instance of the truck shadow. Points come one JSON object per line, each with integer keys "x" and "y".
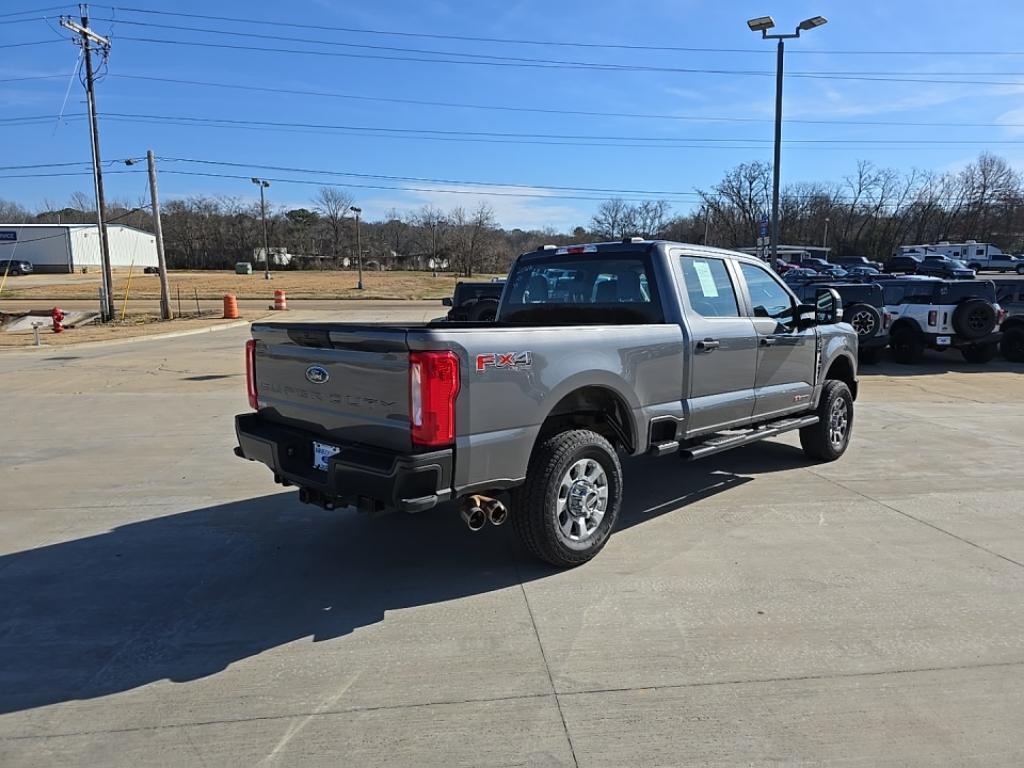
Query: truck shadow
{"x": 937, "y": 363}
{"x": 183, "y": 596}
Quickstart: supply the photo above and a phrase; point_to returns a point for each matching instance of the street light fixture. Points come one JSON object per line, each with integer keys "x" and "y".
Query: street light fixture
{"x": 762, "y": 24}
{"x": 263, "y": 184}
{"x": 359, "y": 247}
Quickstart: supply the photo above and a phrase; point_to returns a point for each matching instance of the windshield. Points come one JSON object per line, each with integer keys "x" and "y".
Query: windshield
{"x": 583, "y": 288}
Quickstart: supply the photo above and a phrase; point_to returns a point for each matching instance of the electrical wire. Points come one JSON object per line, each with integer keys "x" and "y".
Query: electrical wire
{"x": 549, "y": 43}
{"x": 36, "y": 10}
{"x": 33, "y": 42}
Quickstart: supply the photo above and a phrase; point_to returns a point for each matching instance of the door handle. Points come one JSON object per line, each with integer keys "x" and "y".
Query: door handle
{"x": 708, "y": 344}
{"x": 767, "y": 341}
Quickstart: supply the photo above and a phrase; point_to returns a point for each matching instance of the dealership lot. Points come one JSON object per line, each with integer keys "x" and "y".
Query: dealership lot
{"x": 164, "y": 603}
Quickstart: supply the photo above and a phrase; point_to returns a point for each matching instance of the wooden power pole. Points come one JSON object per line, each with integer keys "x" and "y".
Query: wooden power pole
{"x": 154, "y": 197}
{"x": 88, "y": 37}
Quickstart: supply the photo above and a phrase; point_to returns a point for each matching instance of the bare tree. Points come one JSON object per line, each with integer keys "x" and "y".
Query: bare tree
{"x": 332, "y": 204}
{"x": 650, "y": 217}
{"x": 471, "y": 234}
{"x": 615, "y": 218}
{"x": 434, "y": 227}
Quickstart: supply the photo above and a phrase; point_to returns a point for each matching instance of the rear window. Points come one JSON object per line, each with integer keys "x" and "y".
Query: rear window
{"x": 938, "y": 292}
{"x": 582, "y": 288}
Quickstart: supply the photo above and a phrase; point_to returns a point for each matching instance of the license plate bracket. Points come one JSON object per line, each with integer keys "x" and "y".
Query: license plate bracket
{"x": 322, "y": 453}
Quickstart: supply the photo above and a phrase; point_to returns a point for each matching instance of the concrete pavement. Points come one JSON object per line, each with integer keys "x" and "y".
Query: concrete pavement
{"x": 163, "y": 603}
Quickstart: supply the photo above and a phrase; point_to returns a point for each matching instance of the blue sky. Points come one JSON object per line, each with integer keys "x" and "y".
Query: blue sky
{"x": 956, "y": 39}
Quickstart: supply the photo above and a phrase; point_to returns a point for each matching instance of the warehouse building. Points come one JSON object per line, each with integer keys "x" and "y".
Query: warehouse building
{"x": 75, "y": 247}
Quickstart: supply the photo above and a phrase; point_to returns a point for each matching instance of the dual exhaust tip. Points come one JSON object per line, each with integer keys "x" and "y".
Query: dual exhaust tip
{"x": 477, "y": 511}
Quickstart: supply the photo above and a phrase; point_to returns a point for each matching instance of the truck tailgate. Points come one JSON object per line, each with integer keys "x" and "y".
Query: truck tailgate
{"x": 345, "y": 382}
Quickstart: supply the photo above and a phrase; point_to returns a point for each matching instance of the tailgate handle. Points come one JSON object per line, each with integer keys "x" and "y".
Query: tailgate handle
{"x": 708, "y": 344}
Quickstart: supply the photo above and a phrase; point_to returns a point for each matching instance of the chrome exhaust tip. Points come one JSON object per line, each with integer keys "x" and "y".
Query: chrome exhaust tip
{"x": 497, "y": 513}
{"x": 474, "y": 517}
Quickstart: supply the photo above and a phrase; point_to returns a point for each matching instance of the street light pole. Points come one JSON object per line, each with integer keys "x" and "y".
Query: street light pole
{"x": 263, "y": 184}
{"x": 824, "y": 239}
{"x": 762, "y": 24}
{"x": 707, "y": 221}
{"x": 359, "y": 247}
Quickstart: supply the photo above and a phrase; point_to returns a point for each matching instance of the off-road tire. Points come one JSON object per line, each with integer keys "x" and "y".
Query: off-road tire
{"x": 974, "y": 318}
{"x": 907, "y": 346}
{"x": 484, "y": 312}
{"x": 865, "y": 319}
{"x": 1012, "y": 345}
{"x": 534, "y": 504}
{"x": 817, "y": 441}
{"x": 979, "y": 354}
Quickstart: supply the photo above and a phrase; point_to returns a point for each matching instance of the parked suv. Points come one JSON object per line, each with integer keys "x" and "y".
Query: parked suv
{"x": 15, "y": 267}
{"x": 855, "y": 261}
{"x": 863, "y": 308}
{"x": 1010, "y": 294}
{"x": 902, "y": 263}
{"x": 942, "y": 314}
{"x": 474, "y": 301}
{"x": 937, "y": 265}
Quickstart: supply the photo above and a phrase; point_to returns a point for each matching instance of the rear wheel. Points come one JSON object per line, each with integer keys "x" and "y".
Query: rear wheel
{"x": 15, "y": 271}
{"x": 979, "y": 353}
{"x": 828, "y": 439}
{"x": 569, "y": 504}
{"x": 1012, "y": 345}
{"x": 907, "y": 346}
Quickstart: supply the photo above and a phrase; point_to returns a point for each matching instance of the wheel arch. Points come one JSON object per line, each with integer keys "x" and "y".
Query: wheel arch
{"x": 598, "y": 407}
{"x": 843, "y": 368}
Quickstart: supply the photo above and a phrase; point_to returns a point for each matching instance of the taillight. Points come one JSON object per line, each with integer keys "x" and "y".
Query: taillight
{"x": 933, "y": 317}
{"x": 433, "y": 386}
{"x": 886, "y": 319}
{"x": 250, "y": 374}
{"x": 1000, "y": 316}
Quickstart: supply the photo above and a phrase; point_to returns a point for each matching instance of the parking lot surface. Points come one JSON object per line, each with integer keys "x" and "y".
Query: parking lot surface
{"x": 163, "y": 603}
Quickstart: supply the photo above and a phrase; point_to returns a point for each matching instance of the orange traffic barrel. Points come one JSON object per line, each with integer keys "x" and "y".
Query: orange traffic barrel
{"x": 230, "y": 306}
{"x": 280, "y": 302}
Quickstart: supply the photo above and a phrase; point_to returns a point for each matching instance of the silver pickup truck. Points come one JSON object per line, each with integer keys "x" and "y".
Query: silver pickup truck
{"x": 597, "y": 351}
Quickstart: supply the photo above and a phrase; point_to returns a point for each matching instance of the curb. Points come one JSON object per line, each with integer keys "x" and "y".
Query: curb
{"x": 133, "y": 339}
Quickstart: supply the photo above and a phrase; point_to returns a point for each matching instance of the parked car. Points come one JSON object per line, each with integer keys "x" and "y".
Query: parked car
{"x": 782, "y": 266}
{"x": 847, "y": 262}
{"x": 902, "y": 264}
{"x": 15, "y": 267}
{"x": 474, "y": 301}
{"x": 864, "y": 309}
{"x": 942, "y": 314}
{"x": 799, "y": 275}
{"x": 937, "y": 265}
{"x": 861, "y": 272}
{"x": 655, "y": 348}
{"x": 1010, "y": 295}
{"x": 834, "y": 271}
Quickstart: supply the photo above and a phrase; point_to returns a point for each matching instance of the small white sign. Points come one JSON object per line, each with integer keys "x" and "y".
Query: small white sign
{"x": 707, "y": 280}
{"x": 943, "y": 341}
{"x": 321, "y": 454}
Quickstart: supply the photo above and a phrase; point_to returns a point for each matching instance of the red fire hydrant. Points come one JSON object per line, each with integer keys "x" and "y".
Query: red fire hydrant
{"x": 57, "y": 315}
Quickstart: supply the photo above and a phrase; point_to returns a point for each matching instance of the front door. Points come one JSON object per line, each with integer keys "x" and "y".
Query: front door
{"x": 787, "y": 357}
{"x": 723, "y": 347}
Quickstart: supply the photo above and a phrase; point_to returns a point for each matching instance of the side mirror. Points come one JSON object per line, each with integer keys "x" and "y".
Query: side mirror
{"x": 447, "y": 301}
{"x": 828, "y": 306}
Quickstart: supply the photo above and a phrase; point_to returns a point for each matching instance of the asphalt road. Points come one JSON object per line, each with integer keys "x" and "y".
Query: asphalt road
{"x": 163, "y": 603}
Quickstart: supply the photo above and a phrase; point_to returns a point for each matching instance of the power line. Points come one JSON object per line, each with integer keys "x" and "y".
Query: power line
{"x": 549, "y": 43}
{"x": 36, "y": 10}
{"x": 550, "y": 111}
{"x": 33, "y": 42}
{"x": 589, "y": 66}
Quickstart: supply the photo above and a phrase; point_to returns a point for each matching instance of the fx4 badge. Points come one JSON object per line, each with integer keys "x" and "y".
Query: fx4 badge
{"x": 503, "y": 360}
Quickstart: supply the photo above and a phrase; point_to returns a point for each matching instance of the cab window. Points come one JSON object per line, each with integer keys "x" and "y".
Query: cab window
{"x": 767, "y": 297}
{"x": 709, "y": 287}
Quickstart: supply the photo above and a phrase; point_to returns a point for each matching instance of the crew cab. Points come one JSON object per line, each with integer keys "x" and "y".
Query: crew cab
{"x": 597, "y": 351}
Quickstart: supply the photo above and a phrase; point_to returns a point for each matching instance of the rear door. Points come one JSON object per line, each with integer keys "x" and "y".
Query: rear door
{"x": 723, "y": 345}
{"x": 787, "y": 356}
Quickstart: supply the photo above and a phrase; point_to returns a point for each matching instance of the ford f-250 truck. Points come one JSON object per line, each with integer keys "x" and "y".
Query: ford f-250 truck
{"x": 598, "y": 350}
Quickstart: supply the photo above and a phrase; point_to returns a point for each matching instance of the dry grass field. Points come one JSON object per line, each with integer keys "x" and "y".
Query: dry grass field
{"x": 134, "y": 325}
{"x": 213, "y": 285}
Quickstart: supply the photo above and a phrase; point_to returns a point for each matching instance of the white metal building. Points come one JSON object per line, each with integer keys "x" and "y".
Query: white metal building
{"x": 74, "y": 247}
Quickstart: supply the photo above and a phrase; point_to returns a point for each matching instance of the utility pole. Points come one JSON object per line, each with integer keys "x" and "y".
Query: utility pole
{"x": 263, "y": 184}
{"x": 824, "y": 239}
{"x": 359, "y": 247}
{"x": 87, "y": 35}
{"x": 707, "y": 221}
{"x": 154, "y": 198}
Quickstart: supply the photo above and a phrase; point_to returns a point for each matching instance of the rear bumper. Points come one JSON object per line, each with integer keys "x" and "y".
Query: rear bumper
{"x": 372, "y": 479}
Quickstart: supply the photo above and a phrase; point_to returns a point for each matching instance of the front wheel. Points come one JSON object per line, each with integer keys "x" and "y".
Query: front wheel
{"x": 1020, "y": 269}
{"x": 828, "y": 439}
{"x": 569, "y": 504}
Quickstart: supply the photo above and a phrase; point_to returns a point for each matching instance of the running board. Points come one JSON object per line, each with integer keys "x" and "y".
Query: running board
{"x": 723, "y": 442}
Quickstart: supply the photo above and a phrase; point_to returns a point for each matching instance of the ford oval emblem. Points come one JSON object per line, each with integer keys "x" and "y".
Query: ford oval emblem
{"x": 317, "y": 374}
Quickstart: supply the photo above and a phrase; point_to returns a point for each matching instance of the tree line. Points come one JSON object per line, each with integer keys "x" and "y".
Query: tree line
{"x": 868, "y": 212}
